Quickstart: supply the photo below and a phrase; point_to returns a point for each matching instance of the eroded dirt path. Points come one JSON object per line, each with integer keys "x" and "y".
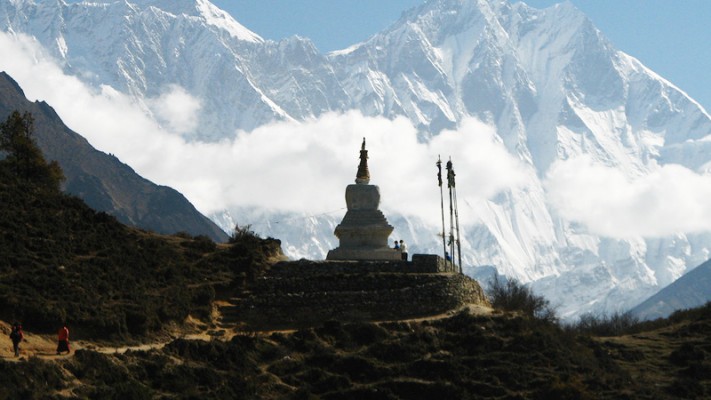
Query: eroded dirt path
{"x": 45, "y": 346}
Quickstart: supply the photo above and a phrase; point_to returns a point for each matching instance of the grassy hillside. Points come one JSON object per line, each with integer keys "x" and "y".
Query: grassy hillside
{"x": 62, "y": 261}
{"x": 464, "y": 356}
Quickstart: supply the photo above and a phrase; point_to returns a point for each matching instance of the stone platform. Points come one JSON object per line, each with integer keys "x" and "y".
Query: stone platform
{"x": 306, "y": 293}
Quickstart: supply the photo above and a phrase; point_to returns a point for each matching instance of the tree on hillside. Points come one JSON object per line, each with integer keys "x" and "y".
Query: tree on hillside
{"x": 23, "y": 158}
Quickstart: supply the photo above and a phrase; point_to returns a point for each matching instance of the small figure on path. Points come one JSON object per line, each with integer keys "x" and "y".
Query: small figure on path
{"x": 403, "y": 250}
{"x": 16, "y": 336}
{"x": 63, "y": 340}
{"x": 397, "y": 246}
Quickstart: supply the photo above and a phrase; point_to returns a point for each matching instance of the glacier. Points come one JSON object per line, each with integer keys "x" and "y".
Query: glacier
{"x": 547, "y": 81}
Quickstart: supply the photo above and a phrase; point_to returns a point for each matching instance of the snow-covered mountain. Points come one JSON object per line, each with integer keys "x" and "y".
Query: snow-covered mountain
{"x": 549, "y": 82}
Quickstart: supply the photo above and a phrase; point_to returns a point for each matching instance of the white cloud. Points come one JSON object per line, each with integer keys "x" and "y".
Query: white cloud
{"x": 306, "y": 166}
{"x": 668, "y": 200}
{"x": 287, "y": 166}
{"x": 177, "y": 109}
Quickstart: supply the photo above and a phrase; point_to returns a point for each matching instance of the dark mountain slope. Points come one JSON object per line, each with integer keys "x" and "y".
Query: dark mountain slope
{"x": 101, "y": 180}
{"x": 691, "y": 290}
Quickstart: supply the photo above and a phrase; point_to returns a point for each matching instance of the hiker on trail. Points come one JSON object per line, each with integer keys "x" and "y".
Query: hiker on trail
{"x": 397, "y": 246}
{"x": 63, "y": 340}
{"x": 16, "y": 336}
{"x": 403, "y": 250}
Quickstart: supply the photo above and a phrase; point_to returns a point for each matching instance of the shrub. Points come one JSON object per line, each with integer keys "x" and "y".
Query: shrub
{"x": 514, "y": 296}
{"x": 242, "y": 233}
{"x": 604, "y": 324}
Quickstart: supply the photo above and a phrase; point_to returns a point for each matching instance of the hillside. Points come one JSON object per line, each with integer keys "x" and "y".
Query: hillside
{"x": 467, "y": 355}
{"x": 63, "y": 261}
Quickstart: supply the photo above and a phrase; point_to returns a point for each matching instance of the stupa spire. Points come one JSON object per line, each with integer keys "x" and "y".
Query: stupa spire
{"x": 363, "y": 175}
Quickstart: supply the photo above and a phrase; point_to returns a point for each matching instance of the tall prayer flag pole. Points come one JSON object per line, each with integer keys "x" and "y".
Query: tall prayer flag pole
{"x": 456, "y": 219}
{"x": 441, "y": 197}
{"x": 450, "y": 185}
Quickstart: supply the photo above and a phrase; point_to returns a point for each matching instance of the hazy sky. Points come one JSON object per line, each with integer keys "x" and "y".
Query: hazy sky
{"x": 673, "y": 38}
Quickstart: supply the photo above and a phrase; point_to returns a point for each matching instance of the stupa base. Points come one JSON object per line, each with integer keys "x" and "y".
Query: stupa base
{"x": 381, "y": 254}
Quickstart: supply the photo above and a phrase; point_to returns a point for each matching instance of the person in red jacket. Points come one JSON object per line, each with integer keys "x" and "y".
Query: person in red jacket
{"x": 63, "y": 340}
{"x": 16, "y": 336}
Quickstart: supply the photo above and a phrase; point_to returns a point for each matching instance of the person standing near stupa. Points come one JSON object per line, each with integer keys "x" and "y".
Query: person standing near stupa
{"x": 403, "y": 250}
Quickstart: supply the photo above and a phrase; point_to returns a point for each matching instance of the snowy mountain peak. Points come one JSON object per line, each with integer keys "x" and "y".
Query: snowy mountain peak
{"x": 218, "y": 18}
{"x": 204, "y": 10}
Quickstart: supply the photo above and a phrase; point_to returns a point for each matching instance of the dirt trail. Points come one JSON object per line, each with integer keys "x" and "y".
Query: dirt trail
{"x": 45, "y": 346}
{"x": 42, "y": 346}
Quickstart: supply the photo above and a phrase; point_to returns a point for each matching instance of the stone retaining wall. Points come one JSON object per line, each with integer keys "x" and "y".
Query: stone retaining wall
{"x": 421, "y": 263}
{"x": 306, "y": 293}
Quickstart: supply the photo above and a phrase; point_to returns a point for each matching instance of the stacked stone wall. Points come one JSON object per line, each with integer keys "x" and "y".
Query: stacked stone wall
{"x": 421, "y": 263}
{"x": 306, "y": 293}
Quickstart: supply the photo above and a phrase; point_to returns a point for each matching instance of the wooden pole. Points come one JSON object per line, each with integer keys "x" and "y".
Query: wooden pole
{"x": 441, "y": 201}
{"x": 450, "y": 185}
{"x": 459, "y": 244}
